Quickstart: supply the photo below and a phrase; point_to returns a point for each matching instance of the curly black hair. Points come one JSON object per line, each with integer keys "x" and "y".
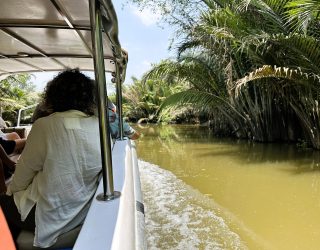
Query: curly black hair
{"x": 70, "y": 89}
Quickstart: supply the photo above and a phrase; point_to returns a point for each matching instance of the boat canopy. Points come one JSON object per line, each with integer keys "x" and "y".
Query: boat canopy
{"x": 51, "y": 35}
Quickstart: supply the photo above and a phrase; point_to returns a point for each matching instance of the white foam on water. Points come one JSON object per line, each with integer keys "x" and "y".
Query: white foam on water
{"x": 178, "y": 217}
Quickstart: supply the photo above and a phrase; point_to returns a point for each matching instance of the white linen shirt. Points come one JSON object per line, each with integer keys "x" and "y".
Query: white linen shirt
{"x": 58, "y": 171}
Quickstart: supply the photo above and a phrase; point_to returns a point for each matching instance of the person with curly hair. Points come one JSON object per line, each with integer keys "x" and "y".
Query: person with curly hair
{"x": 58, "y": 171}
{"x": 42, "y": 110}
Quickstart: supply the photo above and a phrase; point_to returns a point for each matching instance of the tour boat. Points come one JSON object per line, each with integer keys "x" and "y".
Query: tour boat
{"x": 52, "y": 35}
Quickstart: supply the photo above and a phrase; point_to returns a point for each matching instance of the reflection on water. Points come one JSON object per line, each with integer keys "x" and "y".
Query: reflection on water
{"x": 269, "y": 194}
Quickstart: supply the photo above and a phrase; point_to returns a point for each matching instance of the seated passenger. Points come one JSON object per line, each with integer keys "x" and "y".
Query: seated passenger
{"x": 58, "y": 171}
{"x": 41, "y": 111}
{"x": 11, "y": 142}
{"x": 114, "y": 124}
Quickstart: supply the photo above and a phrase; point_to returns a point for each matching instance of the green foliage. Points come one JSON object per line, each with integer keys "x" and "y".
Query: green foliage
{"x": 16, "y": 92}
{"x": 181, "y": 12}
{"x": 251, "y": 65}
{"x": 303, "y": 15}
{"x": 142, "y": 99}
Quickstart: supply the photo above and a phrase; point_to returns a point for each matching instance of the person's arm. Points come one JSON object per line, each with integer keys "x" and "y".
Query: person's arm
{"x": 31, "y": 160}
{"x": 130, "y": 132}
{"x": 134, "y": 136}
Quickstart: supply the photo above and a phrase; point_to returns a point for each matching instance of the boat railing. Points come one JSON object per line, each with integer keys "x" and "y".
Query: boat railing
{"x": 110, "y": 26}
{"x": 66, "y": 31}
{"x": 99, "y": 21}
{"x": 24, "y": 109}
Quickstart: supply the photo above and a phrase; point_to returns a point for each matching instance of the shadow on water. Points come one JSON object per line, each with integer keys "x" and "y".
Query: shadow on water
{"x": 173, "y": 140}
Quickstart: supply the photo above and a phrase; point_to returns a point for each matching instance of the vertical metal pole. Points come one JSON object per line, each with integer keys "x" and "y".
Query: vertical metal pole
{"x": 19, "y": 117}
{"x": 98, "y": 58}
{"x": 119, "y": 100}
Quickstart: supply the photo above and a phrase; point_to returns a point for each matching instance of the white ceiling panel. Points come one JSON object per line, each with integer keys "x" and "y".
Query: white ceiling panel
{"x": 48, "y": 35}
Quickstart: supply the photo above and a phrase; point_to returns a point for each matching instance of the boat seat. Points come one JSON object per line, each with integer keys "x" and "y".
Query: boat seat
{"x": 65, "y": 241}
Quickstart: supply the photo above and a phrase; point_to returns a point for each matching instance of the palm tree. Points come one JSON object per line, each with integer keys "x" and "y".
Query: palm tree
{"x": 142, "y": 99}
{"x": 245, "y": 61}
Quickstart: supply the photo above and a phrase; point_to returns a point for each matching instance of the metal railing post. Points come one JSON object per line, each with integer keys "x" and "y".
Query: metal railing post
{"x": 119, "y": 100}
{"x": 98, "y": 58}
{"x": 19, "y": 117}
{"x": 112, "y": 31}
{"x": 23, "y": 109}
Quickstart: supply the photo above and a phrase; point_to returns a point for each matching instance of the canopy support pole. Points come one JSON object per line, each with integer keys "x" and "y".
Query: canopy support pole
{"x": 119, "y": 100}
{"x": 105, "y": 139}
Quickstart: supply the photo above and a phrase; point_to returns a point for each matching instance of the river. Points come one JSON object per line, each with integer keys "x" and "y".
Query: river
{"x": 202, "y": 192}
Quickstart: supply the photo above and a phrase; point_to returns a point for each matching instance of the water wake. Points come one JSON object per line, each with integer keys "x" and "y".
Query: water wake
{"x": 178, "y": 217}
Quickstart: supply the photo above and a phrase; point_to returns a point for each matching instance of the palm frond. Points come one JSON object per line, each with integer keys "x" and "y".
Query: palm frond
{"x": 197, "y": 99}
{"x": 270, "y": 13}
{"x": 268, "y": 71}
{"x": 202, "y": 101}
{"x": 213, "y": 4}
{"x": 306, "y": 49}
{"x": 300, "y": 13}
{"x": 296, "y": 50}
{"x": 197, "y": 71}
{"x": 8, "y": 102}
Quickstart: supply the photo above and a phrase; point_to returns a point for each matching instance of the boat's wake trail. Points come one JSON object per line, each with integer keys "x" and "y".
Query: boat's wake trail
{"x": 178, "y": 217}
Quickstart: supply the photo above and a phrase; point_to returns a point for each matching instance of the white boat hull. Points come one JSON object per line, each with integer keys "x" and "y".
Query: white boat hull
{"x": 119, "y": 223}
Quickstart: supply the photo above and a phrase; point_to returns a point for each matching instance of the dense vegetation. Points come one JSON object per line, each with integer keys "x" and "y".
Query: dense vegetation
{"x": 252, "y": 66}
{"x": 16, "y": 92}
{"x": 143, "y": 100}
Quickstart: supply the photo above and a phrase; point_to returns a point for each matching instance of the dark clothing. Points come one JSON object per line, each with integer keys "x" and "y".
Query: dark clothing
{"x": 8, "y": 145}
{"x": 13, "y": 216}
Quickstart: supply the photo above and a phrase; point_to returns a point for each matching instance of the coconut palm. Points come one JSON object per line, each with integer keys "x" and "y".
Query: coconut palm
{"x": 260, "y": 73}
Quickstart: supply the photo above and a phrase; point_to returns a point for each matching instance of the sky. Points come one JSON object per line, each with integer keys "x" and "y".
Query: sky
{"x": 140, "y": 35}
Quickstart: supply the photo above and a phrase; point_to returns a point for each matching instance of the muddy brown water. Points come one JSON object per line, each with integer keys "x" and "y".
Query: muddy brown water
{"x": 203, "y": 192}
